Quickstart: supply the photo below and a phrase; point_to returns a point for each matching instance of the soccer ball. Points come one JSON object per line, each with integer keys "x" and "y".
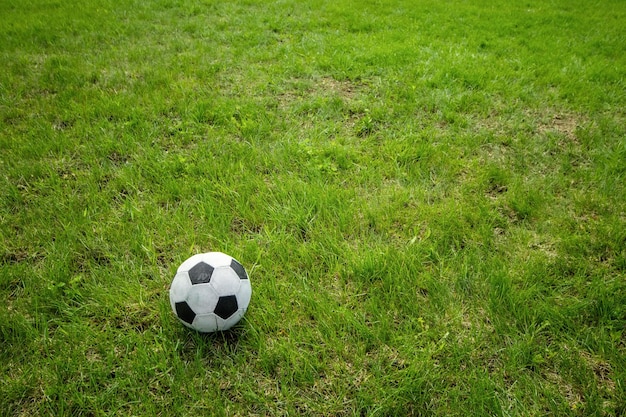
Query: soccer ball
{"x": 210, "y": 292}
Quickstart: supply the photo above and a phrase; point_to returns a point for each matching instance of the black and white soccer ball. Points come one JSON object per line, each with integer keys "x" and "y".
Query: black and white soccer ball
{"x": 210, "y": 292}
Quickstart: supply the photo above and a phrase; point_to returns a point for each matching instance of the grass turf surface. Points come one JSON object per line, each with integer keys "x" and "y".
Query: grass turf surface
{"x": 429, "y": 198}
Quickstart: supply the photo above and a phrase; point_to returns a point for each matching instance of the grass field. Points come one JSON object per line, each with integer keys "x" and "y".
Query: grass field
{"x": 429, "y": 197}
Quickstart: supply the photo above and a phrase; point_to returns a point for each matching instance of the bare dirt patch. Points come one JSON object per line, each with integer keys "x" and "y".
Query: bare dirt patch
{"x": 568, "y": 391}
{"x": 543, "y": 122}
{"x": 299, "y": 89}
{"x": 563, "y": 124}
{"x": 344, "y": 89}
{"x": 601, "y": 369}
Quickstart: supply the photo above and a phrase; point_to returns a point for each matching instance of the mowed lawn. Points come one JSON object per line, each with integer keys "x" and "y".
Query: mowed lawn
{"x": 429, "y": 198}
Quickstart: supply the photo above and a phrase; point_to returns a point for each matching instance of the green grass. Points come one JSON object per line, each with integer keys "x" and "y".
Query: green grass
{"x": 429, "y": 197}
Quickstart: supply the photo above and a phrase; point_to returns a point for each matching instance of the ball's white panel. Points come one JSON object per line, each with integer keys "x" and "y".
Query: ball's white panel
{"x": 231, "y": 321}
{"x": 245, "y": 294}
{"x": 225, "y": 281}
{"x": 202, "y": 298}
{"x": 189, "y": 263}
{"x": 216, "y": 259}
{"x": 205, "y": 323}
{"x": 179, "y": 288}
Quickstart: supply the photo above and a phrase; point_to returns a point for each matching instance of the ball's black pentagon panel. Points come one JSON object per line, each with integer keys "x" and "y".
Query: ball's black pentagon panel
{"x": 200, "y": 273}
{"x": 184, "y": 312}
{"x": 226, "y": 306}
{"x": 238, "y": 268}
